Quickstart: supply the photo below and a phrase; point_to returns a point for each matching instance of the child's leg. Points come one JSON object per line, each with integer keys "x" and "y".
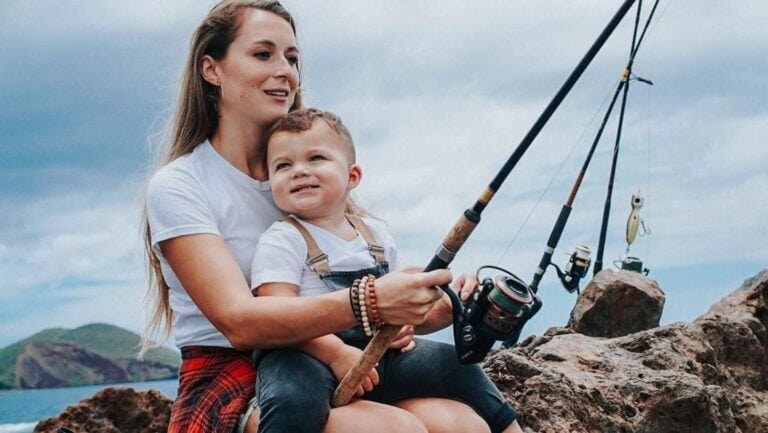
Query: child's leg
{"x": 294, "y": 395}
{"x": 294, "y": 392}
{"x": 433, "y": 370}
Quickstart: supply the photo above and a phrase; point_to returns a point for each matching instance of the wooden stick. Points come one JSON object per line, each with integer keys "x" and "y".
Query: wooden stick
{"x": 372, "y": 354}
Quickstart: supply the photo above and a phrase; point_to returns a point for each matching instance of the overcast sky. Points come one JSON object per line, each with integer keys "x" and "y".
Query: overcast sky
{"x": 437, "y": 95}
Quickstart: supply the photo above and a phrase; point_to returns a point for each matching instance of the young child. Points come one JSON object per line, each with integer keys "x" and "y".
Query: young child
{"x": 324, "y": 244}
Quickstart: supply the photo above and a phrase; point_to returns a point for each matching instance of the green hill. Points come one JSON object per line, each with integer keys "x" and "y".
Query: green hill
{"x": 108, "y": 341}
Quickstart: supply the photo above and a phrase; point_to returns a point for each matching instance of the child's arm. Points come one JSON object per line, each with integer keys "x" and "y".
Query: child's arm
{"x": 328, "y": 349}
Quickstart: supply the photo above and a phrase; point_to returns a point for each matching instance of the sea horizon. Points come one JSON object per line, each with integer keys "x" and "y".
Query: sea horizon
{"x": 22, "y": 409}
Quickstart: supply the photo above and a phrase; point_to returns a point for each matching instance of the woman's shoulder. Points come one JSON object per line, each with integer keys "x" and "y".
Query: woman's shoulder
{"x": 177, "y": 187}
{"x": 180, "y": 170}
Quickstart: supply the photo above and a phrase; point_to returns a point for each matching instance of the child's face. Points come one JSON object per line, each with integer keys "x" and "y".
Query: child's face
{"x": 310, "y": 172}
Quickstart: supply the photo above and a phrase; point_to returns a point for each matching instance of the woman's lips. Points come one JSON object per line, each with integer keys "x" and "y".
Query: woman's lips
{"x": 279, "y": 94}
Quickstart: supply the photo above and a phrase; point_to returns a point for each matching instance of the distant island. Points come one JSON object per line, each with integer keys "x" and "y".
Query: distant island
{"x": 93, "y": 354}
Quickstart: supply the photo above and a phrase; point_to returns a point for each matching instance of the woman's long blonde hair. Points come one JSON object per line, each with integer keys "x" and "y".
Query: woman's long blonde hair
{"x": 195, "y": 120}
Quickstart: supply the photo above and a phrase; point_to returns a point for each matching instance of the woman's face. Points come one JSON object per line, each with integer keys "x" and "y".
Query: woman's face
{"x": 258, "y": 76}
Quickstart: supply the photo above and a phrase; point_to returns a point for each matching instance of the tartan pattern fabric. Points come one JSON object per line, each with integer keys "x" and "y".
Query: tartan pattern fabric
{"x": 215, "y": 385}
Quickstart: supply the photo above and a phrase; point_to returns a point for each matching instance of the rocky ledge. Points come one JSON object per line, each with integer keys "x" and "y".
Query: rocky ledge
{"x": 707, "y": 376}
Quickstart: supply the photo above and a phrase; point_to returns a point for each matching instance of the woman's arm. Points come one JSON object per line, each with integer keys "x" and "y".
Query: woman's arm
{"x": 214, "y": 281}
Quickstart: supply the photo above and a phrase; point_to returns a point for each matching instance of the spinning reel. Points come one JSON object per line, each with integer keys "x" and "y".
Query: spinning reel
{"x": 576, "y": 269}
{"x": 496, "y": 312}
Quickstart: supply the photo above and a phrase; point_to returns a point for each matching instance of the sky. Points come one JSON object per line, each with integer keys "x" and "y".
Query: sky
{"x": 437, "y": 95}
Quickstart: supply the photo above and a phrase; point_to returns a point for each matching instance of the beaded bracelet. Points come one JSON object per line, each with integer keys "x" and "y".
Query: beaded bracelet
{"x": 363, "y": 306}
{"x": 370, "y": 289}
{"x": 353, "y": 300}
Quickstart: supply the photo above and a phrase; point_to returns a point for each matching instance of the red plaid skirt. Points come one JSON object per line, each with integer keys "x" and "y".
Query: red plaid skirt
{"x": 215, "y": 385}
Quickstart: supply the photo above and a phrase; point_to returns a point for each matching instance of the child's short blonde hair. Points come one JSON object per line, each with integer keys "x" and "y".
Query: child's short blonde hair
{"x": 303, "y": 119}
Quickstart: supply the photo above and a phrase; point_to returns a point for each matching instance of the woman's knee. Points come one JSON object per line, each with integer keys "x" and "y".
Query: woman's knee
{"x": 445, "y": 416}
{"x": 369, "y": 417}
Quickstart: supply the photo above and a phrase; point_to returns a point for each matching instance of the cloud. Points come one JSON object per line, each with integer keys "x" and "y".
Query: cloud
{"x": 436, "y": 98}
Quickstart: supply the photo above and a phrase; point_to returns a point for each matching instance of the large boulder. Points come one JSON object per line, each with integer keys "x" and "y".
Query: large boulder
{"x": 114, "y": 410}
{"x": 707, "y": 376}
{"x": 616, "y": 304}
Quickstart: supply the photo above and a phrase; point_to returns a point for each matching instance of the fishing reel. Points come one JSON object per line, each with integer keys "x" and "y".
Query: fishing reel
{"x": 498, "y": 311}
{"x": 576, "y": 269}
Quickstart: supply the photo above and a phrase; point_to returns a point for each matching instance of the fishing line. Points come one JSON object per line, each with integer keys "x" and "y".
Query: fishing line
{"x": 552, "y": 179}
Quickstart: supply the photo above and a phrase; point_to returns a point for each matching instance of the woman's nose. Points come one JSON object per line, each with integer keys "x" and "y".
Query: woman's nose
{"x": 284, "y": 69}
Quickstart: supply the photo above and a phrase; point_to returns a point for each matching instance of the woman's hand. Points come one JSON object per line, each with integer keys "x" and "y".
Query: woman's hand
{"x": 344, "y": 360}
{"x": 404, "y": 340}
{"x": 405, "y": 297}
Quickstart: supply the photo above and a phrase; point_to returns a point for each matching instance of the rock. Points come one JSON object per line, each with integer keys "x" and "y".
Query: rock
{"x": 707, "y": 376}
{"x": 114, "y": 410}
{"x": 616, "y": 304}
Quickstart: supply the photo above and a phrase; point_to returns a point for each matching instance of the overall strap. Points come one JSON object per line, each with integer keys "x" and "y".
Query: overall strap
{"x": 317, "y": 260}
{"x": 376, "y": 250}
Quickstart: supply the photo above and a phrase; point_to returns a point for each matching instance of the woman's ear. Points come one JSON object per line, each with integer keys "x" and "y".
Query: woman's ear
{"x": 209, "y": 71}
{"x": 355, "y": 176}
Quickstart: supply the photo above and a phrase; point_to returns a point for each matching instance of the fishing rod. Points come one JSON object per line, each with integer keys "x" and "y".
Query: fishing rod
{"x": 578, "y": 263}
{"x": 502, "y": 305}
{"x": 607, "y": 206}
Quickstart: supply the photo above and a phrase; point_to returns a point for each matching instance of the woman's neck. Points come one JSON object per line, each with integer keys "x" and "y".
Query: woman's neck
{"x": 335, "y": 223}
{"x": 241, "y": 144}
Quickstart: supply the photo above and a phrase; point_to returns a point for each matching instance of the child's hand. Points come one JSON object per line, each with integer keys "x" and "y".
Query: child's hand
{"x": 345, "y": 359}
{"x": 465, "y": 285}
{"x": 404, "y": 339}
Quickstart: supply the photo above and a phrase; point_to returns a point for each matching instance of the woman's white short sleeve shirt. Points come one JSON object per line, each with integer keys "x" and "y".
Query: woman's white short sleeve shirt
{"x": 201, "y": 192}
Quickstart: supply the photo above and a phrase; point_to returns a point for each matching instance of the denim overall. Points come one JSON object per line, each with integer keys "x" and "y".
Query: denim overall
{"x": 294, "y": 388}
{"x": 317, "y": 261}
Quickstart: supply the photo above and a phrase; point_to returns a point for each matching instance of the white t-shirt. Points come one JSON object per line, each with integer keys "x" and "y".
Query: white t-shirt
{"x": 201, "y": 192}
{"x": 281, "y": 255}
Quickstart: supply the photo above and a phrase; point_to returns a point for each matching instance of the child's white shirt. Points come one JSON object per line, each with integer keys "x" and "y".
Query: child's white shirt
{"x": 281, "y": 254}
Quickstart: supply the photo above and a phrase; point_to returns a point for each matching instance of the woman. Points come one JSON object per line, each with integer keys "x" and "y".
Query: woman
{"x": 206, "y": 208}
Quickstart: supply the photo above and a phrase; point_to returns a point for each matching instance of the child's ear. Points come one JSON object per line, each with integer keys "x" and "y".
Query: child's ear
{"x": 355, "y": 176}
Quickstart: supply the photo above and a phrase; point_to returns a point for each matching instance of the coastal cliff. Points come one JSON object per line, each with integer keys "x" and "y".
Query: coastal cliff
{"x": 90, "y": 355}
{"x": 710, "y": 375}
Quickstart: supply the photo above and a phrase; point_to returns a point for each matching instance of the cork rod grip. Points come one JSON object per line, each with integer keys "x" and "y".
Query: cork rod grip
{"x": 372, "y": 354}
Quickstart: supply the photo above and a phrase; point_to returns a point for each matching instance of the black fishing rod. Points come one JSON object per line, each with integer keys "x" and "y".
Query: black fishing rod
{"x": 476, "y": 330}
{"x": 609, "y": 193}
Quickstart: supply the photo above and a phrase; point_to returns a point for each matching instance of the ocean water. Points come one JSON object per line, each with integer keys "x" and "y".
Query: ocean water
{"x": 20, "y": 410}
